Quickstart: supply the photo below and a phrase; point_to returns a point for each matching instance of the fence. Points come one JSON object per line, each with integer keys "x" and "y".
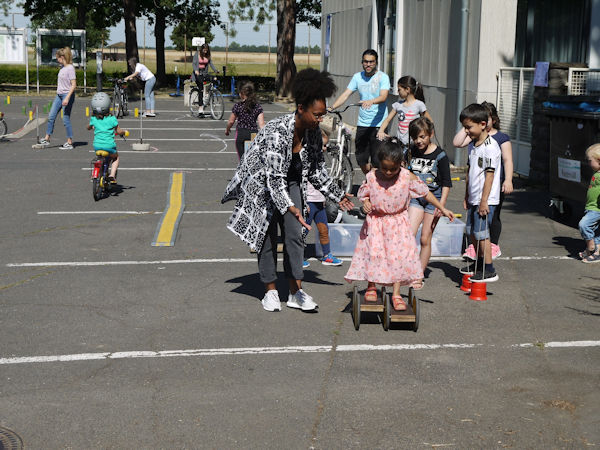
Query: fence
{"x": 515, "y": 108}
{"x": 583, "y": 81}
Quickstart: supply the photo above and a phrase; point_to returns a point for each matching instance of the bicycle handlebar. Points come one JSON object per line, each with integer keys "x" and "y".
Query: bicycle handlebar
{"x": 338, "y": 112}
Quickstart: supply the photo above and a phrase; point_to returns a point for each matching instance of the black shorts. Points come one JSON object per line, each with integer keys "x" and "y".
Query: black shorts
{"x": 367, "y": 146}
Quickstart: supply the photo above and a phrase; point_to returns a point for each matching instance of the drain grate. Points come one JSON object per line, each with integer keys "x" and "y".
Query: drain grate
{"x": 9, "y": 440}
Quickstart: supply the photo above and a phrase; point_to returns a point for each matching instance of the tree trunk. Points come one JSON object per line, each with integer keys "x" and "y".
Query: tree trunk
{"x": 286, "y": 41}
{"x": 159, "y": 33}
{"x": 81, "y": 14}
{"x": 131, "y": 47}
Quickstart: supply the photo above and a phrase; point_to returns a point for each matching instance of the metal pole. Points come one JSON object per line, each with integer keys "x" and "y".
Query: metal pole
{"x": 144, "y": 41}
{"x": 464, "y": 22}
{"x": 309, "y": 45}
{"x": 226, "y": 42}
{"x": 269, "y": 52}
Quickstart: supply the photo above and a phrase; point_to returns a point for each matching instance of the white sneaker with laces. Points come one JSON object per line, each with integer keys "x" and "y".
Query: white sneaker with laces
{"x": 271, "y": 301}
{"x": 301, "y": 300}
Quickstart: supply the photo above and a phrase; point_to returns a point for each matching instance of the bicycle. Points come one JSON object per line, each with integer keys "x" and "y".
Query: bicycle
{"x": 101, "y": 185}
{"x": 120, "y": 98}
{"x": 213, "y": 99}
{"x": 3, "y": 126}
{"x": 337, "y": 152}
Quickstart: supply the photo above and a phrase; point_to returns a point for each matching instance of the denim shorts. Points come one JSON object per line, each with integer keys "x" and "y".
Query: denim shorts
{"x": 479, "y": 226}
{"x": 424, "y": 204}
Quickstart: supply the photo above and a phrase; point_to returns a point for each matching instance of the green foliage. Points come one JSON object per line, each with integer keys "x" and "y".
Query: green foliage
{"x": 258, "y": 11}
{"x": 99, "y": 15}
{"x": 15, "y": 75}
{"x": 235, "y": 47}
{"x": 194, "y": 18}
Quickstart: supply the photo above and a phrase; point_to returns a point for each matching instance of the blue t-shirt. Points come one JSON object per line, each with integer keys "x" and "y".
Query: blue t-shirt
{"x": 104, "y": 132}
{"x": 368, "y": 89}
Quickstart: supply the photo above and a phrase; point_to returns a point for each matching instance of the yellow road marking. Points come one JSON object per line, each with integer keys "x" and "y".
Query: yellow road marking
{"x": 167, "y": 227}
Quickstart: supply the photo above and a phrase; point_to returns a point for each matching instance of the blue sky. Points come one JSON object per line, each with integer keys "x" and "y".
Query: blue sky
{"x": 245, "y": 33}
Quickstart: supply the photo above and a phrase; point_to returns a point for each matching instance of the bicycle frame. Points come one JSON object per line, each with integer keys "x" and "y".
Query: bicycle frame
{"x": 338, "y": 148}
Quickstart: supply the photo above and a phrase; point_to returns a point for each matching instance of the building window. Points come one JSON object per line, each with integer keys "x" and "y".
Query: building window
{"x": 552, "y": 30}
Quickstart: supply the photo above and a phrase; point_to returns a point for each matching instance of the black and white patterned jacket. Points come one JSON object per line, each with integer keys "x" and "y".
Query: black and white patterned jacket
{"x": 260, "y": 181}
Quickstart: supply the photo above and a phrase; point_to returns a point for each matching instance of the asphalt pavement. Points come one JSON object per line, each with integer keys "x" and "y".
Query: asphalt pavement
{"x": 109, "y": 342}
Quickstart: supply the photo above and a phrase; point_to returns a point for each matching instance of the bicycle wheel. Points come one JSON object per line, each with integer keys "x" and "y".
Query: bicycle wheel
{"x": 3, "y": 127}
{"x": 331, "y": 163}
{"x": 96, "y": 189}
{"x": 117, "y": 108}
{"x": 194, "y": 99}
{"x": 347, "y": 174}
{"x": 124, "y": 101}
{"x": 217, "y": 105}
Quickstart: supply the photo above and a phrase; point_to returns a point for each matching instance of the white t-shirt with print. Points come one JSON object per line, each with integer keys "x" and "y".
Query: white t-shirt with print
{"x": 482, "y": 158}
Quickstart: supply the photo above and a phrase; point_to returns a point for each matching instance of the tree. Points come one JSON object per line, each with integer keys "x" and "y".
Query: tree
{"x": 289, "y": 12}
{"x": 195, "y": 18}
{"x": 94, "y": 17}
{"x": 131, "y": 47}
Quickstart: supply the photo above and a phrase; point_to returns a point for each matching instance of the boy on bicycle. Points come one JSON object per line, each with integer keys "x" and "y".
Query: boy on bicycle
{"x": 105, "y": 126}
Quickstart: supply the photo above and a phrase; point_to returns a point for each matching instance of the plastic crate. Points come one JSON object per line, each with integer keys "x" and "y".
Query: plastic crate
{"x": 342, "y": 239}
{"x": 447, "y": 239}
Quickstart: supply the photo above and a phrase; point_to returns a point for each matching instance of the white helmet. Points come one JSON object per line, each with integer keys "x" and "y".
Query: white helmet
{"x": 101, "y": 103}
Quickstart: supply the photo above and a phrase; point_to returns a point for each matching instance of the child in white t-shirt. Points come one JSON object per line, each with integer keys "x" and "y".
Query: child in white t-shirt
{"x": 482, "y": 189}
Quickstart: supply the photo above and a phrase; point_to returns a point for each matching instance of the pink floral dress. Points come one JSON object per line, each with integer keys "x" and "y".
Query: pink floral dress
{"x": 386, "y": 251}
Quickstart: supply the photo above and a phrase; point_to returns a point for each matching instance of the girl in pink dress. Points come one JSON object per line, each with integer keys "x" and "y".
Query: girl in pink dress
{"x": 386, "y": 252}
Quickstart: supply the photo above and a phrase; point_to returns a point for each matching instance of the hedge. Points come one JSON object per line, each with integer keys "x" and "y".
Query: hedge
{"x": 48, "y": 76}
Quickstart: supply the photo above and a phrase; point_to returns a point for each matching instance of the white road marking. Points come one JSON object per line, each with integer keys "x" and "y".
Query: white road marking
{"x": 273, "y": 350}
{"x": 220, "y": 260}
{"x": 174, "y": 169}
{"x": 163, "y": 152}
{"x": 58, "y": 213}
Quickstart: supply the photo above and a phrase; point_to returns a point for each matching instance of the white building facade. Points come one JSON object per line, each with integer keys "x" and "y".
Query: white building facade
{"x": 422, "y": 38}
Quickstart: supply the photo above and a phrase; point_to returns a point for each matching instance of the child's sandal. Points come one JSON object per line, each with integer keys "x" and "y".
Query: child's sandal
{"x": 418, "y": 285}
{"x": 371, "y": 295}
{"x": 584, "y": 254}
{"x": 398, "y": 303}
{"x": 593, "y": 258}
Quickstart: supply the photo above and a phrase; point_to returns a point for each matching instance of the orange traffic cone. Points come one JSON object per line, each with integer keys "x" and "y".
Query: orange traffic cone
{"x": 466, "y": 282}
{"x": 478, "y": 291}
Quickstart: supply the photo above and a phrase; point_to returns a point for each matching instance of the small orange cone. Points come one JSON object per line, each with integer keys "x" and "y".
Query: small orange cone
{"x": 478, "y": 291}
{"x": 466, "y": 282}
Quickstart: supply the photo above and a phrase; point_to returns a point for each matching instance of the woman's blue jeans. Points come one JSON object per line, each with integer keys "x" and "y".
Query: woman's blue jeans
{"x": 589, "y": 226}
{"x": 56, "y": 107}
{"x": 149, "y": 93}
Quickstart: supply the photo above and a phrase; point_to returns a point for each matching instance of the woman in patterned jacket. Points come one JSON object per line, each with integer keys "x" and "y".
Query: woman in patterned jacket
{"x": 269, "y": 187}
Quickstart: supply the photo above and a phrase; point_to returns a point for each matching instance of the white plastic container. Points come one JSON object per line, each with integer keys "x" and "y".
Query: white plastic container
{"x": 342, "y": 239}
{"x": 447, "y": 238}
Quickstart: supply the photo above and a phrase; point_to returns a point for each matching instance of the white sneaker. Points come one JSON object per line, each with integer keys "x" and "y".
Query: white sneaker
{"x": 301, "y": 300}
{"x": 271, "y": 301}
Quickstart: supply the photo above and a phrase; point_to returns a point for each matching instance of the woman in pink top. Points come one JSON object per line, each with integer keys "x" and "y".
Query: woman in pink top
{"x": 200, "y": 65}
{"x": 65, "y": 95}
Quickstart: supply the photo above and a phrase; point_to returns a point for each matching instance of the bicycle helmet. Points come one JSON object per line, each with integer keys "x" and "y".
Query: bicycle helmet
{"x": 101, "y": 103}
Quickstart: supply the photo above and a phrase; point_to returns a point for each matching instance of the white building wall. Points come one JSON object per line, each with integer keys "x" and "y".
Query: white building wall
{"x": 429, "y": 31}
{"x": 498, "y": 28}
{"x": 351, "y": 34}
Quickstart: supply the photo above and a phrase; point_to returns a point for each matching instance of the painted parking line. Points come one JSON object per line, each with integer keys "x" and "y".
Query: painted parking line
{"x": 211, "y": 352}
{"x": 166, "y": 231}
{"x": 241, "y": 260}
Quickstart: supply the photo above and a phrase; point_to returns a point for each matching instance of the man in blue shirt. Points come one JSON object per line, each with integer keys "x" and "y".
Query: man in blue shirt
{"x": 373, "y": 86}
